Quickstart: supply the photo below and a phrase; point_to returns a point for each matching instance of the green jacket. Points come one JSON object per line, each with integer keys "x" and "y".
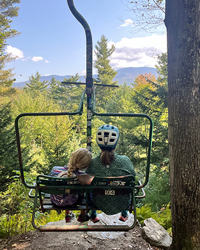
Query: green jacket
{"x": 121, "y": 165}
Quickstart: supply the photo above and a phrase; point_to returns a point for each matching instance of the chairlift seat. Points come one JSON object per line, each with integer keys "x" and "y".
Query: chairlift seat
{"x": 108, "y": 186}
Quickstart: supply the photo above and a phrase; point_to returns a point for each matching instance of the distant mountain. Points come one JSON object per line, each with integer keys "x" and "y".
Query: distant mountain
{"x": 127, "y": 75}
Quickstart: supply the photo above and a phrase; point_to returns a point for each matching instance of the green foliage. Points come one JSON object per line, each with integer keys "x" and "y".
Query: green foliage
{"x": 8, "y": 148}
{"x": 15, "y": 210}
{"x": 35, "y": 85}
{"x": 6, "y": 82}
{"x": 162, "y": 68}
{"x": 43, "y": 219}
{"x": 150, "y": 96}
{"x": 8, "y": 10}
{"x": 158, "y": 189}
{"x": 51, "y": 140}
{"x": 163, "y": 217}
{"x": 66, "y": 95}
{"x": 53, "y": 89}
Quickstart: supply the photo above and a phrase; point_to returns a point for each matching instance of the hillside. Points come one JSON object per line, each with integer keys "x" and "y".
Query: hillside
{"x": 127, "y": 75}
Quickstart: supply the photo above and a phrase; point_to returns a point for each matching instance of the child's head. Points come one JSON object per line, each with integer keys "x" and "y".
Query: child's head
{"x": 79, "y": 159}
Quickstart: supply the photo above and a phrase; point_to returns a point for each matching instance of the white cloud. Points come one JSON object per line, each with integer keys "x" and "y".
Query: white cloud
{"x": 17, "y": 53}
{"x": 46, "y": 61}
{"x": 138, "y": 52}
{"x": 37, "y": 58}
{"x": 126, "y": 23}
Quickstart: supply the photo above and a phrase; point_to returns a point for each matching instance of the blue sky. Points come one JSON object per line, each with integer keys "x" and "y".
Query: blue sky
{"x": 52, "y": 41}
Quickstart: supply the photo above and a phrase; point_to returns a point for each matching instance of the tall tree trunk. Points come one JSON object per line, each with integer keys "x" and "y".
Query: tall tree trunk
{"x": 183, "y": 32}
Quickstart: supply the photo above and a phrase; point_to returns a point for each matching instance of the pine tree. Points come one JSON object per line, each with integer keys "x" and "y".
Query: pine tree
{"x": 106, "y": 73}
{"x": 71, "y": 97}
{"x": 71, "y": 94}
{"x": 7, "y": 11}
{"x": 102, "y": 63}
{"x": 35, "y": 84}
{"x": 53, "y": 91}
{"x": 67, "y": 95}
{"x": 8, "y": 147}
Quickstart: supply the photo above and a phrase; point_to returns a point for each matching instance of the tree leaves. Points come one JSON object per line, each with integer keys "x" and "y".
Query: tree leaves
{"x": 8, "y": 10}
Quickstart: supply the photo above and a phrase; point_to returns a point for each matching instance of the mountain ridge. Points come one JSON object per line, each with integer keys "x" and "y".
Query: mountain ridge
{"x": 127, "y": 75}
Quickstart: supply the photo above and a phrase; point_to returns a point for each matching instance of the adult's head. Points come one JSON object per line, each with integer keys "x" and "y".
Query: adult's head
{"x": 80, "y": 159}
{"x": 107, "y": 138}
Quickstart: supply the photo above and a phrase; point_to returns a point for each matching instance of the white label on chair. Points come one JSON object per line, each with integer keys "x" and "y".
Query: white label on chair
{"x": 117, "y": 183}
{"x": 73, "y": 182}
{"x": 101, "y": 183}
{"x": 89, "y": 114}
{"x": 109, "y": 192}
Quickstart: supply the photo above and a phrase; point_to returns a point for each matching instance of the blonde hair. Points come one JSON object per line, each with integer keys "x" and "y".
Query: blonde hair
{"x": 79, "y": 159}
{"x": 107, "y": 156}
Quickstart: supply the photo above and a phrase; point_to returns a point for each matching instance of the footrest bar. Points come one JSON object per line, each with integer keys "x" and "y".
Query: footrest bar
{"x": 53, "y": 228}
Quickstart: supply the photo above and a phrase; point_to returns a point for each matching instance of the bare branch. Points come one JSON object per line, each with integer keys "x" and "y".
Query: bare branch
{"x": 146, "y": 15}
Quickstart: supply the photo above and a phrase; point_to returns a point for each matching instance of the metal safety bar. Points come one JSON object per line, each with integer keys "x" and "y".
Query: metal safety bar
{"x": 79, "y": 111}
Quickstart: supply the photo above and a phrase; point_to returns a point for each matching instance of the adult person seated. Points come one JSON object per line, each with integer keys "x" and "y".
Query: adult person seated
{"x": 110, "y": 164}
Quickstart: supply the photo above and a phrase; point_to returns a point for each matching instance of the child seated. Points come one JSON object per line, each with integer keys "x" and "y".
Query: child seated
{"x": 79, "y": 161}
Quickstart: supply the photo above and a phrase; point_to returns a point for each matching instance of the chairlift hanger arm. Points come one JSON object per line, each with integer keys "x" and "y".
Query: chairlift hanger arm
{"x": 83, "y": 22}
{"x": 89, "y": 79}
{"x": 96, "y": 84}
